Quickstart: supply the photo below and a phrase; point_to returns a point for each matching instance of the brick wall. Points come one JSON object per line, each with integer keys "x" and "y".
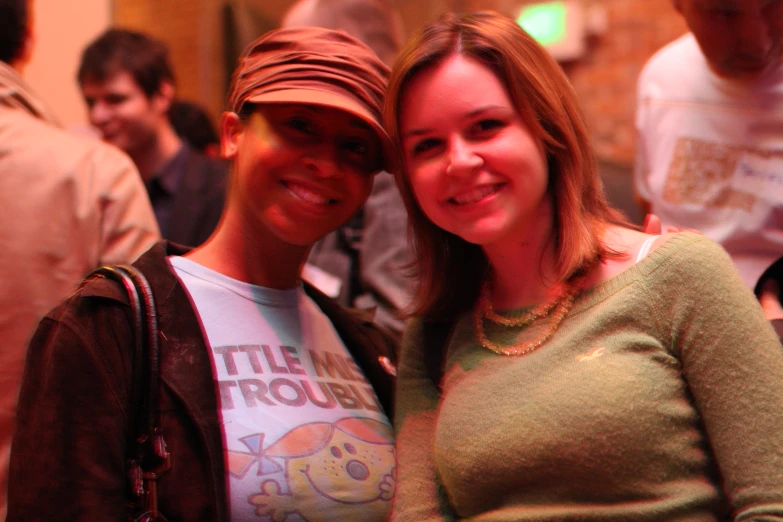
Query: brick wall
{"x": 192, "y": 30}
{"x": 604, "y": 78}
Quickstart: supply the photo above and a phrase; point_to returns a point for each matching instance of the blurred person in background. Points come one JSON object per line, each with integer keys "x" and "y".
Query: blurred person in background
{"x": 710, "y": 129}
{"x": 128, "y": 85}
{"x": 365, "y": 259}
{"x": 67, "y": 204}
{"x": 192, "y": 123}
{"x": 374, "y": 22}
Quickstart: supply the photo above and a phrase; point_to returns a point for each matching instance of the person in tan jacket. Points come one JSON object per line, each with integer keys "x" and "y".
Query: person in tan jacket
{"x": 67, "y": 204}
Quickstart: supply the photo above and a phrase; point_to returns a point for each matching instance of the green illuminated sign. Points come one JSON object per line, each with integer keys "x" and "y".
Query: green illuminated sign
{"x": 545, "y": 22}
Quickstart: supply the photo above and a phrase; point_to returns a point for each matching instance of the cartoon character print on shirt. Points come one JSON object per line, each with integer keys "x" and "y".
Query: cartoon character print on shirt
{"x": 349, "y": 462}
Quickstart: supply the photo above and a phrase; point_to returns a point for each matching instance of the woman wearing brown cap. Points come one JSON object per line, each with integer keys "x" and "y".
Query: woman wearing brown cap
{"x": 561, "y": 366}
{"x": 274, "y": 401}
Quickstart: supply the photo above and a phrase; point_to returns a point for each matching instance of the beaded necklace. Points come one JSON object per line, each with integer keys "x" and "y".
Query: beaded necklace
{"x": 557, "y": 307}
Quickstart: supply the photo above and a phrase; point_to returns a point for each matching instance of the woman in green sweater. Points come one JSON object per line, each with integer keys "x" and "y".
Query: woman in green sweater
{"x": 591, "y": 372}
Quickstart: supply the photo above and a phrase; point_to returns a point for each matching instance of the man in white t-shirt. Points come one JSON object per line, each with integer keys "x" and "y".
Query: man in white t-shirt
{"x": 710, "y": 126}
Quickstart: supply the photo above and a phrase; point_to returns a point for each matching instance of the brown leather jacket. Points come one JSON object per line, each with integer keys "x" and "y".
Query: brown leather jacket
{"x": 68, "y": 457}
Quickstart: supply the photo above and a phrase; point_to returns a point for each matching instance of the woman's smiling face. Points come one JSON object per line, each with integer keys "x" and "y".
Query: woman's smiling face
{"x": 475, "y": 169}
{"x": 301, "y": 170}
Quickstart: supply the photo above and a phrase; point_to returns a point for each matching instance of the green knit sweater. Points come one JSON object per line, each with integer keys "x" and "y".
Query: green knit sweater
{"x": 659, "y": 398}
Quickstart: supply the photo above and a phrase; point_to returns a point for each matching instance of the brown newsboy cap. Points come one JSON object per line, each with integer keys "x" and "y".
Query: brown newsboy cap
{"x": 314, "y": 66}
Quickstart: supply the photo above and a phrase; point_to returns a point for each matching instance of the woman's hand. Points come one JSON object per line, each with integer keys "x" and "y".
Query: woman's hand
{"x": 770, "y": 301}
{"x": 652, "y": 225}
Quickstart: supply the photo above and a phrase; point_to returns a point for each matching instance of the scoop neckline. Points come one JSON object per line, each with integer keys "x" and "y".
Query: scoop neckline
{"x": 644, "y": 268}
{"x": 587, "y": 298}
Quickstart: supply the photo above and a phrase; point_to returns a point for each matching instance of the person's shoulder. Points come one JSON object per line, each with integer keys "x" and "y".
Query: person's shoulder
{"x": 691, "y": 257}
{"x": 60, "y": 149}
{"x": 672, "y": 64}
{"x": 691, "y": 242}
{"x": 35, "y": 133}
{"x": 91, "y": 298}
{"x": 673, "y": 53}
{"x": 152, "y": 264}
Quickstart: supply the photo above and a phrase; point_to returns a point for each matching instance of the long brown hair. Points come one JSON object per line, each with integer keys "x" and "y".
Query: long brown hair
{"x": 449, "y": 269}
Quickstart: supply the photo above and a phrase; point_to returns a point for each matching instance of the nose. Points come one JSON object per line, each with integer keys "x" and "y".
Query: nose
{"x": 462, "y": 159}
{"x": 99, "y": 114}
{"x": 357, "y": 470}
{"x": 323, "y": 160}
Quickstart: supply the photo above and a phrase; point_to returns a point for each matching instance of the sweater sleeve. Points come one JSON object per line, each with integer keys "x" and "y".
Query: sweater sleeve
{"x": 68, "y": 457}
{"x": 732, "y": 362}
{"x": 420, "y": 496}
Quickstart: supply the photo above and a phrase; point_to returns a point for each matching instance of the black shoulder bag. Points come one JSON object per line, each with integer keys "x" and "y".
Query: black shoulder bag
{"x": 147, "y": 456}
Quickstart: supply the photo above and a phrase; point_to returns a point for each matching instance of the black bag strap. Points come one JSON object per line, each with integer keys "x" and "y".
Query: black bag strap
{"x": 437, "y": 335}
{"x": 147, "y": 455}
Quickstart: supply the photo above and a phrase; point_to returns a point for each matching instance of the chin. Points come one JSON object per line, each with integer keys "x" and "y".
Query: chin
{"x": 744, "y": 73}
{"x": 481, "y": 237}
{"x": 302, "y": 238}
{"x": 119, "y": 143}
{"x": 488, "y": 229}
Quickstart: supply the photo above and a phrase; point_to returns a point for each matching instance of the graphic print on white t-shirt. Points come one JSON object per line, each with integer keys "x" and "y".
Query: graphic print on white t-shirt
{"x": 704, "y": 173}
{"x": 759, "y": 173}
{"x": 305, "y": 437}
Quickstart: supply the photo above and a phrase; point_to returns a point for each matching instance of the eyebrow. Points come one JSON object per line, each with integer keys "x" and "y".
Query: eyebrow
{"x": 723, "y": 4}
{"x": 356, "y": 122}
{"x": 359, "y": 123}
{"x": 472, "y": 114}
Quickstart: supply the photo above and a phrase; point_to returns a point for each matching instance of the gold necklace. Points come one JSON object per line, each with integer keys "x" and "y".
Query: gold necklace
{"x": 561, "y": 305}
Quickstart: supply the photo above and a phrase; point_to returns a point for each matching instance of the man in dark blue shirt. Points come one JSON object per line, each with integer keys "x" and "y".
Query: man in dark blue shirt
{"x": 128, "y": 84}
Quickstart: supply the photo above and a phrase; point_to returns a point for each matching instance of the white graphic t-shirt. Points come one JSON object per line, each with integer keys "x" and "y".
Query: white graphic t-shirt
{"x": 305, "y": 437}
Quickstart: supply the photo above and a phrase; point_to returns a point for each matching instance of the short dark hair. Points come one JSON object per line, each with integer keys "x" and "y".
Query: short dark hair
{"x": 191, "y": 122}
{"x": 13, "y": 26}
{"x": 118, "y": 50}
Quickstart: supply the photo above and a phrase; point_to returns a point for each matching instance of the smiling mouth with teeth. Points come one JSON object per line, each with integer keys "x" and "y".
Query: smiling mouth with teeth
{"x": 308, "y": 195}
{"x": 475, "y": 195}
